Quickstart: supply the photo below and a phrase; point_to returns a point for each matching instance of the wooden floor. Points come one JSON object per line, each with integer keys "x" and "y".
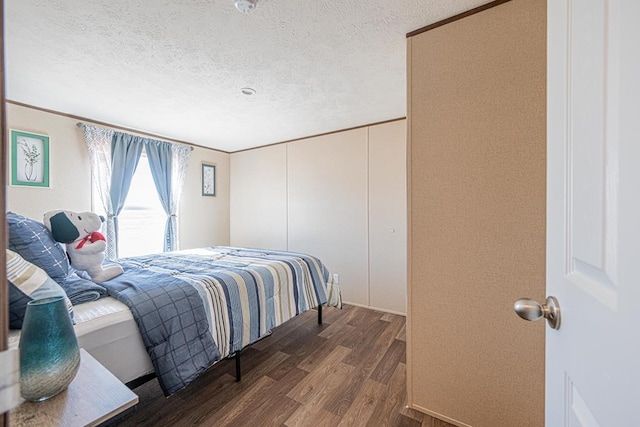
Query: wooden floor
{"x": 348, "y": 371}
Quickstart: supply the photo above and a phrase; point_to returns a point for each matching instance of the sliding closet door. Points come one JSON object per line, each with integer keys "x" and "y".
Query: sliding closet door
{"x": 477, "y": 216}
{"x": 259, "y": 198}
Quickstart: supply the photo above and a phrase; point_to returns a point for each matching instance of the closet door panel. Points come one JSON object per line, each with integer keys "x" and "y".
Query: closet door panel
{"x": 259, "y": 198}
{"x": 327, "y": 206}
{"x": 388, "y": 216}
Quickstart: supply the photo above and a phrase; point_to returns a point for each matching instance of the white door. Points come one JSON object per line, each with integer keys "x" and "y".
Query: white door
{"x": 593, "y": 212}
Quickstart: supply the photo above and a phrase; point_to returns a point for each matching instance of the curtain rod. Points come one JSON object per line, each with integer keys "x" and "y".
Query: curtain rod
{"x": 157, "y": 137}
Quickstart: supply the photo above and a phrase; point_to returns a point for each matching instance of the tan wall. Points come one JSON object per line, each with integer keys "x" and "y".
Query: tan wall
{"x": 477, "y": 216}
{"x": 335, "y": 196}
{"x": 202, "y": 220}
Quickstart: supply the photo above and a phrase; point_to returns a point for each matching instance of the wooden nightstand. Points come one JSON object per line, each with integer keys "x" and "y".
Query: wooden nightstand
{"x": 93, "y": 397}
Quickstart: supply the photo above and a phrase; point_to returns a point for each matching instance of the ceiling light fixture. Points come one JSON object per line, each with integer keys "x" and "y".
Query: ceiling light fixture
{"x": 248, "y": 91}
{"x": 246, "y": 6}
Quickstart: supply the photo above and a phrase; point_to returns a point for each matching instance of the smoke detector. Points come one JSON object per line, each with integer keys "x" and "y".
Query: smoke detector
{"x": 246, "y": 6}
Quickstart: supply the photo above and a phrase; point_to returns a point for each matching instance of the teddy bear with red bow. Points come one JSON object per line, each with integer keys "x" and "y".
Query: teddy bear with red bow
{"x": 85, "y": 244}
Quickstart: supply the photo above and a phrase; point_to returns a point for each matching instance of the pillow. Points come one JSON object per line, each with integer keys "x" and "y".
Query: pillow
{"x": 34, "y": 243}
{"x": 27, "y": 282}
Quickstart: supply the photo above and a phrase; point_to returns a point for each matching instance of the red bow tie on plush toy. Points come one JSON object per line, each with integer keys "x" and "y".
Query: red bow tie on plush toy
{"x": 93, "y": 237}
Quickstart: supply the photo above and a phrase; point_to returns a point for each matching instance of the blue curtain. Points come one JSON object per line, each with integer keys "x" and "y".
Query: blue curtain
{"x": 125, "y": 154}
{"x": 159, "y": 154}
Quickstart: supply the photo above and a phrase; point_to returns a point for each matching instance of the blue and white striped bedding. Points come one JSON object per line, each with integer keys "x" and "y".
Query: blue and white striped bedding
{"x": 244, "y": 292}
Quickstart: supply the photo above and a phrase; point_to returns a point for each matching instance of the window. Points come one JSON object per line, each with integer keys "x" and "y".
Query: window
{"x": 142, "y": 220}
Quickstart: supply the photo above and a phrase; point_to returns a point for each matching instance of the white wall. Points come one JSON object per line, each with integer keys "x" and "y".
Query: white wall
{"x": 202, "y": 220}
{"x": 69, "y": 173}
{"x": 334, "y": 196}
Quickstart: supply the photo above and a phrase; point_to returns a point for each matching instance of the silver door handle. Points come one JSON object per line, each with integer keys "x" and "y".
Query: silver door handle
{"x": 530, "y": 309}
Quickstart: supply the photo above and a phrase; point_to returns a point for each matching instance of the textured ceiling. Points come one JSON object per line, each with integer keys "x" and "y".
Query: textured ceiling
{"x": 175, "y": 67}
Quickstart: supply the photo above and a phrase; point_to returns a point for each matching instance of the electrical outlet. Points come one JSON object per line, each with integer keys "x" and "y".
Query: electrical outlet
{"x": 336, "y": 278}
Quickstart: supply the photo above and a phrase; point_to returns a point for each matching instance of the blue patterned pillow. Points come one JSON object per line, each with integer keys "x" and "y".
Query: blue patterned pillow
{"x": 34, "y": 242}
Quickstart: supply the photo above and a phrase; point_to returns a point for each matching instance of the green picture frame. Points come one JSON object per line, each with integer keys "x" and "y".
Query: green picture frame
{"x": 208, "y": 180}
{"x": 29, "y": 159}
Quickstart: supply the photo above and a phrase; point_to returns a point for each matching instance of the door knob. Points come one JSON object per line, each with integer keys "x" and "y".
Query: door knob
{"x": 530, "y": 309}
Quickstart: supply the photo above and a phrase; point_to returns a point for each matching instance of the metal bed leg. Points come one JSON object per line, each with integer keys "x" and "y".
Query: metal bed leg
{"x": 237, "y": 355}
{"x": 238, "y": 366}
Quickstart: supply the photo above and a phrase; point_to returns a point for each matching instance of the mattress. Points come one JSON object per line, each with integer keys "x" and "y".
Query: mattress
{"x": 107, "y": 330}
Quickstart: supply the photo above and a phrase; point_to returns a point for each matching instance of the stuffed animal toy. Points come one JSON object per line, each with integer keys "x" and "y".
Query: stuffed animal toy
{"x": 85, "y": 245}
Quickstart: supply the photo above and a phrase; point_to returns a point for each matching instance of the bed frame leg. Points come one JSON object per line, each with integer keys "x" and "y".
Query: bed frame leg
{"x": 238, "y": 366}
{"x": 320, "y": 314}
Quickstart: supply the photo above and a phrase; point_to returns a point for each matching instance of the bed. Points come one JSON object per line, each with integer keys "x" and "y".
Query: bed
{"x": 176, "y": 314}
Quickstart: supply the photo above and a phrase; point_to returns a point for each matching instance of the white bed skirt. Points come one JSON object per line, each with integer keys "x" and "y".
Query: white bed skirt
{"x": 106, "y": 329}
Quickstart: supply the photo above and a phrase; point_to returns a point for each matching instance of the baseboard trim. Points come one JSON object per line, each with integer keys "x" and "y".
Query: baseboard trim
{"x": 376, "y": 308}
{"x": 439, "y": 416}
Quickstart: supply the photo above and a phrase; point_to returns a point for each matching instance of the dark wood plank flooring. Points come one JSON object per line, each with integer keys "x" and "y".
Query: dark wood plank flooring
{"x": 348, "y": 371}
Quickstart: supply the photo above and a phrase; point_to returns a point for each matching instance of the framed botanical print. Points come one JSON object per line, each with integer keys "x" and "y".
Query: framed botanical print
{"x": 208, "y": 180}
{"x": 29, "y": 159}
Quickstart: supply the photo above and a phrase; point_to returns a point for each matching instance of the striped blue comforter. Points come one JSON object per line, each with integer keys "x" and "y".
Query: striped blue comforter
{"x": 244, "y": 293}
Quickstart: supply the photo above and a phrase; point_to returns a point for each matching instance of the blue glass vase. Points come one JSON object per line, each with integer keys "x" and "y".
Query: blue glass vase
{"x": 49, "y": 353}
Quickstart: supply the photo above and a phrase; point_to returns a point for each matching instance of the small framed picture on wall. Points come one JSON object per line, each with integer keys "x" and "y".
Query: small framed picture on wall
{"x": 29, "y": 159}
{"x": 208, "y": 180}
